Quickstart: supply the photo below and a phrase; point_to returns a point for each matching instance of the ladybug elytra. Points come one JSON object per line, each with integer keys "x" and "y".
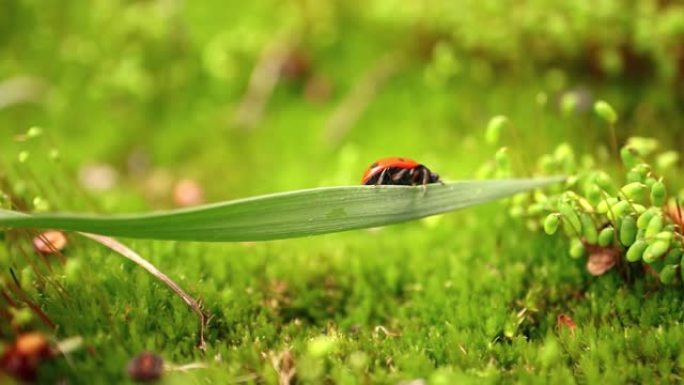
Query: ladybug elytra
{"x": 398, "y": 171}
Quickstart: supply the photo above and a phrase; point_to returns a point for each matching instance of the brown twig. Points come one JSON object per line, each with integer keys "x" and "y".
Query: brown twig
{"x": 137, "y": 259}
{"x": 283, "y": 363}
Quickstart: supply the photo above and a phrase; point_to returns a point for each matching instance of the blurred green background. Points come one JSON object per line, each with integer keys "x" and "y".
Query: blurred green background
{"x": 143, "y": 85}
{"x": 244, "y": 98}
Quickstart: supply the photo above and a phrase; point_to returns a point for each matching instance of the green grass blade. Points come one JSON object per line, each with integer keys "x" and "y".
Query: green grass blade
{"x": 286, "y": 215}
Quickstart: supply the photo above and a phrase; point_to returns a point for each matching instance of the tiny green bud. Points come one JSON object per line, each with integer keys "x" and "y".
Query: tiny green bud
{"x": 667, "y": 160}
{"x": 535, "y": 209}
{"x": 516, "y": 211}
{"x": 41, "y": 204}
{"x": 605, "y": 111}
{"x": 570, "y": 215}
{"x": 628, "y": 231}
{"x": 584, "y": 205}
{"x": 494, "y": 127}
{"x": 569, "y": 102}
{"x": 54, "y": 154}
{"x": 630, "y": 156}
{"x": 639, "y": 209}
{"x": 645, "y": 217}
{"x": 650, "y": 181}
{"x": 502, "y": 159}
{"x": 617, "y": 210}
{"x": 520, "y": 199}
{"x": 593, "y": 194}
{"x": 645, "y": 146}
{"x": 633, "y": 176}
{"x": 656, "y": 250}
{"x": 606, "y": 236}
{"x": 547, "y": 163}
{"x": 658, "y": 194}
{"x": 485, "y": 171}
{"x": 540, "y": 197}
{"x": 654, "y": 226}
{"x": 589, "y": 229}
{"x": 635, "y": 252}
{"x": 322, "y": 346}
{"x": 638, "y": 173}
{"x": 551, "y": 223}
{"x": 664, "y": 236}
{"x": 604, "y": 182}
{"x": 23, "y": 156}
{"x": 668, "y": 274}
{"x": 34, "y": 132}
{"x": 635, "y": 191}
{"x": 577, "y": 249}
{"x": 604, "y": 205}
{"x": 565, "y": 155}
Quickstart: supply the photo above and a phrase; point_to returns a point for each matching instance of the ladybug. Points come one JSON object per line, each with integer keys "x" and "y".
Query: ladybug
{"x": 398, "y": 171}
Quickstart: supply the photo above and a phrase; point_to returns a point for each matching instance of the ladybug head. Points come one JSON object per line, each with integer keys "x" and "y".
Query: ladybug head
{"x": 434, "y": 177}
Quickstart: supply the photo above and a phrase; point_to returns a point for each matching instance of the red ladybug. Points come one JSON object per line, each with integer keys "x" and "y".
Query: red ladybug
{"x": 398, "y": 171}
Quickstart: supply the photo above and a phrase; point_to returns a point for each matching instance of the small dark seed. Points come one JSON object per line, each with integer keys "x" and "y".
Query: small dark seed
{"x": 18, "y": 366}
{"x": 145, "y": 367}
{"x": 21, "y": 360}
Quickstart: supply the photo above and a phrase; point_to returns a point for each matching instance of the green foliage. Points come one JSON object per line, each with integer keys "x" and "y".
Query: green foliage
{"x": 150, "y": 89}
{"x": 590, "y": 215}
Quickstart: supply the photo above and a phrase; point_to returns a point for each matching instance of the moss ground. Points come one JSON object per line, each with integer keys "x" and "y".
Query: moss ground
{"x": 468, "y": 297}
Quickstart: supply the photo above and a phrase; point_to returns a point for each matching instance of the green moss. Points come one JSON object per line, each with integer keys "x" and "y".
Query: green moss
{"x": 469, "y": 297}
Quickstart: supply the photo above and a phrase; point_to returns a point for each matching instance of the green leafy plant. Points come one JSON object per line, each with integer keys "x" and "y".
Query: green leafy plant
{"x": 632, "y": 221}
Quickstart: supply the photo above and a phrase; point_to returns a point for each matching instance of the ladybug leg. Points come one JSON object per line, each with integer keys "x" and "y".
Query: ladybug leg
{"x": 425, "y": 176}
{"x": 381, "y": 178}
{"x": 397, "y": 177}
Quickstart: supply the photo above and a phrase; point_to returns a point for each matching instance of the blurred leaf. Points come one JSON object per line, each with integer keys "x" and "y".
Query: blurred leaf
{"x": 286, "y": 215}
